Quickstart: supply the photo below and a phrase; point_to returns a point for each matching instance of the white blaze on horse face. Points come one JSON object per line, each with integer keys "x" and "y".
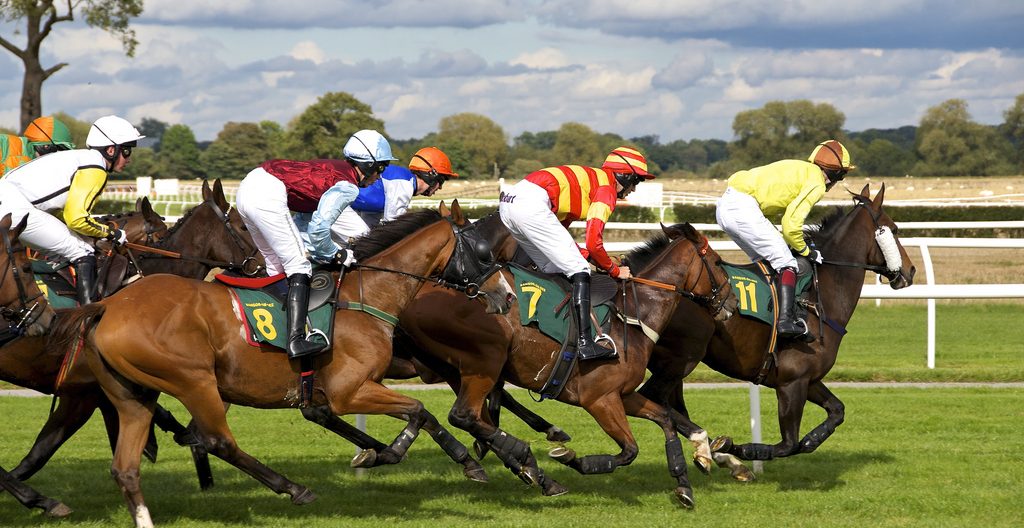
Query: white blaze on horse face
{"x": 887, "y": 242}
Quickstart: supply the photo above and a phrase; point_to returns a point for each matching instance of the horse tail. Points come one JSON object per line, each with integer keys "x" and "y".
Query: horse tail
{"x": 72, "y": 325}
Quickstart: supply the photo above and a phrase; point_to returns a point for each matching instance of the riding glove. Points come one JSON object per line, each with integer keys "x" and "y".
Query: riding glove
{"x": 815, "y": 256}
{"x": 116, "y": 236}
{"x": 345, "y": 257}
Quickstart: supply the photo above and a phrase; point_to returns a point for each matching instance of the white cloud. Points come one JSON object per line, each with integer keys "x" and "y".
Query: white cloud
{"x": 308, "y": 50}
{"x": 543, "y": 58}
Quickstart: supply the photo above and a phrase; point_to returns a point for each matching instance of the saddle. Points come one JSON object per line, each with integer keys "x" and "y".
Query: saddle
{"x": 752, "y": 284}
{"x": 262, "y": 300}
{"x": 544, "y": 302}
{"x": 56, "y": 278}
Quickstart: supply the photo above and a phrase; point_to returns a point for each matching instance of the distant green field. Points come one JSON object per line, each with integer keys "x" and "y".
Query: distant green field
{"x": 904, "y": 457}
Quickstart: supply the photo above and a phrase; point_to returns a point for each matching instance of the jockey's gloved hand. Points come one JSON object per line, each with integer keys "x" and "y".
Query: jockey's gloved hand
{"x": 345, "y": 257}
{"x": 116, "y": 236}
{"x": 815, "y": 256}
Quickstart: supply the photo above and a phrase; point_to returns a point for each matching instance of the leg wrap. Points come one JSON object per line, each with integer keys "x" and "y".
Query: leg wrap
{"x": 508, "y": 445}
{"x": 755, "y": 452}
{"x": 594, "y": 464}
{"x": 450, "y": 445}
{"x": 404, "y": 440}
{"x": 676, "y": 460}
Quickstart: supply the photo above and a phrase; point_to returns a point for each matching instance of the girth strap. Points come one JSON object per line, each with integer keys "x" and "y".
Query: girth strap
{"x": 376, "y": 312}
{"x": 648, "y": 331}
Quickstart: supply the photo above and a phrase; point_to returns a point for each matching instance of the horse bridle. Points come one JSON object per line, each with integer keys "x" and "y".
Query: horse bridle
{"x": 458, "y": 264}
{"x": 881, "y": 270}
{"x": 711, "y": 300}
{"x": 22, "y": 317}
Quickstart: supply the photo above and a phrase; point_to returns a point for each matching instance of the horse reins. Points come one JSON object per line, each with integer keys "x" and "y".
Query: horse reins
{"x": 22, "y": 317}
{"x": 881, "y": 270}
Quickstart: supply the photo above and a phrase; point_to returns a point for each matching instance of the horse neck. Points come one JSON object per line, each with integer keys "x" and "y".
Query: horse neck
{"x": 28, "y": 362}
{"x": 189, "y": 238}
{"x": 842, "y": 285}
{"x": 416, "y": 254}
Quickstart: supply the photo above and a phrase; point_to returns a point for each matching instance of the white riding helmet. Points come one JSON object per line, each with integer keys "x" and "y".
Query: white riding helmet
{"x": 368, "y": 146}
{"x": 111, "y": 130}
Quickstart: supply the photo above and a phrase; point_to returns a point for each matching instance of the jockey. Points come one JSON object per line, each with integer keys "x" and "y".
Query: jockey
{"x": 389, "y": 197}
{"x": 44, "y": 135}
{"x": 322, "y": 188}
{"x": 787, "y": 188}
{"x": 44, "y": 185}
{"x": 538, "y": 209}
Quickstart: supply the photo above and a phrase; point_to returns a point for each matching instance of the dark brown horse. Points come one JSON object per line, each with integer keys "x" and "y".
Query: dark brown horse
{"x": 450, "y": 333}
{"x": 192, "y": 347}
{"x": 207, "y": 235}
{"x": 736, "y": 348}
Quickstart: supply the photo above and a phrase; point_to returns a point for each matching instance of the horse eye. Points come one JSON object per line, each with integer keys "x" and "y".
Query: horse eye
{"x": 26, "y": 267}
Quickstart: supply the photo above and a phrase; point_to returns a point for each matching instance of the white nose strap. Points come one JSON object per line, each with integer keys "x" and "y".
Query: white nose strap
{"x": 887, "y": 242}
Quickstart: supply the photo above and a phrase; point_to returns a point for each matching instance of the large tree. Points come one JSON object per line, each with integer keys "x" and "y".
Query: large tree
{"x": 482, "y": 141}
{"x": 238, "y": 149}
{"x": 783, "y": 130}
{"x": 324, "y": 127}
{"x": 39, "y": 17}
{"x": 179, "y": 153}
{"x": 951, "y": 143}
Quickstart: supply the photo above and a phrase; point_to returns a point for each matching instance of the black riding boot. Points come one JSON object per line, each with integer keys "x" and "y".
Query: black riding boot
{"x": 789, "y": 325}
{"x": 585, "y": 346}
{"x": 85, "y": 279}
{"x": 300, "y": 344}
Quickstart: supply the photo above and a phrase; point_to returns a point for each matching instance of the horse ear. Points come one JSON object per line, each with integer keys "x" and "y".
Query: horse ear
{"x": 218, "y": 195}
{"x": 672, "y": 232}
{"x": 443, "y": 209}
{"x": 16, "y": 232}
{"x": 457, "y": 215}
{"x": 5, "y": 222}
{"x": 144, "y": 206}
{"x": 866, "y": 191}
{"x": 138, "y": 204}
{"x": 206, "y": 190}
{"x": 879, "y": 197}
{"x": 691, "y": 232}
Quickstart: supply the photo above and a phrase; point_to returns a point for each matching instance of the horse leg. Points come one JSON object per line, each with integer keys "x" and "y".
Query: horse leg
{"x": 513, "y": 452}
{"x": 323, "y": 417}
{"x": 819, "y": 394}
{"x": 638, "y": 406}
{"x": 69, "y": 416}
{"x": 30, "y": 498}
{"x": 453, "y": 448}
{"x": 186, "y": 437}
{"x": 791, "y": 399}
{"x": 208, "y": 411}
{"x": 536, "y": 422}
{"x": 669, "y": 393}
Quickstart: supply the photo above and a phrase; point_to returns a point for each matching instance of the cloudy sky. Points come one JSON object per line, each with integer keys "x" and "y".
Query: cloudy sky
{"x": 680, "y": 69}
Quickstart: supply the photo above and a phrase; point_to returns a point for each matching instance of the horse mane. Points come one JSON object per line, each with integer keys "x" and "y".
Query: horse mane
{"x": 823, "y": 231}
{"x": 114, "y": 216}
{"x": 181, "y": 221}
{"x": 387, "y": 234}
{"x": 639, "y": 257}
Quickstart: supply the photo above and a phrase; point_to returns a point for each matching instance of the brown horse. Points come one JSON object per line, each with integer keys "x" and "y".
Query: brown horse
{"x": 736, "y": 348}
{"x": 449, "y": 333}
{"x": 192, "y": 347}
{"x": 206, "y": 236}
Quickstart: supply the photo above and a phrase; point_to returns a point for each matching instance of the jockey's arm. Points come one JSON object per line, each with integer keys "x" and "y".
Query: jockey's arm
{"x": 597, "y": 216}
{"x": 796, "y": 213}
{"x": 397, "y": 197}
{"x": 86, "y": 185}
{"x": 331, "y": 204}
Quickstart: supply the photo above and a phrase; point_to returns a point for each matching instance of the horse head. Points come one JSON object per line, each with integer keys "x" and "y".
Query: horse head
{"x": 473, "y": 260}
{"x": 719, "y": 300}
{"x": 868, "y": 238}
{"x": 22, "y": 304}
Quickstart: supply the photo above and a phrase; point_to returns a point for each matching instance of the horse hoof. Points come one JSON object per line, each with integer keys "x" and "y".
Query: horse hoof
{"x": 742, "y": 473}
{"x": 366, "y": 458}
{"x": 481, "y": 449}
{"x": 303, "y": 497}
{"x": 703, "y": 464}
{"x": 562, "y": 454}
{"x": 529, "y": 475}
{"x": 557, "y": 435}
{"x": 474, "y": 471}
{"x": 58, "y": 510}
{"x": 685, "y": 497}
{"x": 551, "y": 488}
{"x": 722, "y": 443}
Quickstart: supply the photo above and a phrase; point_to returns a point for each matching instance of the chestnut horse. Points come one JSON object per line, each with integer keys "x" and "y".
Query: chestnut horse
{"x": 193, "y": 347}
{"x": 452, "y": 334}
{"x": 205, "y": 236}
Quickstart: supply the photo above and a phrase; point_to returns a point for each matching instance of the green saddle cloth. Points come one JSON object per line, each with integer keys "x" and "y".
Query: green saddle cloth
{"x": 538, "y": 298}
{"x": 45, "y": 274}
{"x": 265, "y": 318}
{"x": 753, "y": 293}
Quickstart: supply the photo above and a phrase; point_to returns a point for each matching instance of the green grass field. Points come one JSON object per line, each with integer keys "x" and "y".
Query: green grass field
{"x": 904, "y": 457}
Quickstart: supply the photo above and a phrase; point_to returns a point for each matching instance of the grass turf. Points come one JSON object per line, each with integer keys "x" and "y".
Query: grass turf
{"x": 904, "y": 457}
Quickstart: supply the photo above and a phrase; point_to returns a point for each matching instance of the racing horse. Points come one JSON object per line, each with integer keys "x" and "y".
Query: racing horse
{"x": 192, "y": 346}
{"x": 205, "y": 236}
{"x": 451, "y": 334}
{"x": 854, "y": 241}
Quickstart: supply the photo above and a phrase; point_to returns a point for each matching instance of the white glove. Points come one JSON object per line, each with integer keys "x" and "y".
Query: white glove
{"x": 815, "y": 256}
{"x": 117, "y": 237}
{"x": 345, "y": 257}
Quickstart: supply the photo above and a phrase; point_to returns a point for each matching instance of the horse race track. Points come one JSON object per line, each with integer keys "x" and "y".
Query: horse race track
{"x": 906, "y": 455}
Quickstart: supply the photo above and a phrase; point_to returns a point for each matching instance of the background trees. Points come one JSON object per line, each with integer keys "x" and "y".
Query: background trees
{"x": 322, "y": 130}
{"x": 478, "y": 146}
{"x": 39, "y": 17}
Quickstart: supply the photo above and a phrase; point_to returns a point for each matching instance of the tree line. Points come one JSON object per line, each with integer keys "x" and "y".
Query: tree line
{"x": 946, "y": 142}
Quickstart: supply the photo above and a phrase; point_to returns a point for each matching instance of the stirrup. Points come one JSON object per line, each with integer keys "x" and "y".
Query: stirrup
{"x": 605, "y": 337}
{"x": 318, "y": 332}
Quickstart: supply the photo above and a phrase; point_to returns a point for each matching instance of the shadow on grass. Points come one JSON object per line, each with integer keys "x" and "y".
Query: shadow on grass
{"x": 427, "y": 486}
